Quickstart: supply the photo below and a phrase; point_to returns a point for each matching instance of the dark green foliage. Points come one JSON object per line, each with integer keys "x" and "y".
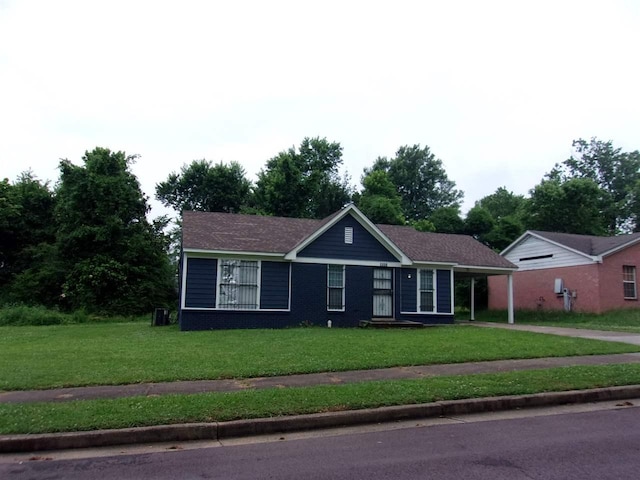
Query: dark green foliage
{"x": 421, "y": 181}
{"x": 379, "y": 200}
{"x": 447, "y": 220}
{"x": 303, "y": 183}
{"x": 115, "y": 262}
{"x": 203, "y": 186}
{"x": 572, "y": 206}
{"x": 616, "y": 174}
{"x": 497, "y": 219}
{"x": 27, "y": 230}
{"x": 479, "y": 223}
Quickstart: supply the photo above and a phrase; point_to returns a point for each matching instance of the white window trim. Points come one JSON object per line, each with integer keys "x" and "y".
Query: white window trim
{"x": 633, "y": 282}
{"x": 344, "y": 288}
{"x": 259, "y": 284}
{"x": 434, "y": 274}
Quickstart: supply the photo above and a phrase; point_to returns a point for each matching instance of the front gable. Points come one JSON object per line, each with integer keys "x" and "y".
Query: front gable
{"x": 533, "y": 252}
{"x": 348, "y": 236}
{"x": 348, "y": 240}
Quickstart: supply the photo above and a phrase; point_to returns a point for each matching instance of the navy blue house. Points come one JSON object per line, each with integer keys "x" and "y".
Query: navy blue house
{"x": 247, "y": 271}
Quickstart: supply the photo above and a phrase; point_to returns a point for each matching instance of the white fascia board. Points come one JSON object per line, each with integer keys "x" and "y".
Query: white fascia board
{"x": 424, "y": 264}
{"x": 484, "y": 270}
{"x": 366, "y": 224}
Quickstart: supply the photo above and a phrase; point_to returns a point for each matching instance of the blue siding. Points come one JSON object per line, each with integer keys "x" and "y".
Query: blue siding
{"x": 443, "y": 293}
{"x": 201, "y": 282}
{"x": 364, "y": 247}
{"x": 308, "y": 297}
{"x": 408, "y": 290}
{"x": 274, "y": 285}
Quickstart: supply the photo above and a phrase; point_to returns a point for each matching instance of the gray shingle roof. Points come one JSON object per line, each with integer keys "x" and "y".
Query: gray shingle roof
{"x": 589, "y": 244}
{"x": 263, "y": 234}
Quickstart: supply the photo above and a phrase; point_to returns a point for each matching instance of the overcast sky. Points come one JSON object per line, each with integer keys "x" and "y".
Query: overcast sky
{"x": 497, "y": 89}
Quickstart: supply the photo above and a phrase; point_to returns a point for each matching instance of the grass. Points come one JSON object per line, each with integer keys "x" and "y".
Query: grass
{"x": 627, "y": 320}
{"x": 22, "y": 315}
{"x": 109, "y": 354}
{"x": 210, "y": 407}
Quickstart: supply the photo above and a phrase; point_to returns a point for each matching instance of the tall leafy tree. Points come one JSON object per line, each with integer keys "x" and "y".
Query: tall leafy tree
{"x": 573, "y": 206}
{"x": 204, "y": 186}
{"x": 615, "y": 172}
{"x": 303, "y": 182}
{"x": 506, "y": 211}
{"x": 27, "y": 231}
{"x": 115, "y": 260}
{"x": 502, "y": 203}
{"x": 421, "y": 181}
{"x": 379, "y": 200}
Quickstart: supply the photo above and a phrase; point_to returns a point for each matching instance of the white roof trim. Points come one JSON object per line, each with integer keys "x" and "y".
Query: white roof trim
{"x": 529, "y": 233}
{"x": 481, "y": 269}
{"x": 362, "y": 220}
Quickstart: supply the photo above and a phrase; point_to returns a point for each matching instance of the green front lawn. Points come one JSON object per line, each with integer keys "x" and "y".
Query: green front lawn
{"x": 102, "y": 354}
{"x": 617, "y": 321}
{"x": 211, "y": 407}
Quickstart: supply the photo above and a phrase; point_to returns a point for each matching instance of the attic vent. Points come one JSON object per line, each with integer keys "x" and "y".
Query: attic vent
{"x": 537, "y": 257}
{"x": 348, "y": 235}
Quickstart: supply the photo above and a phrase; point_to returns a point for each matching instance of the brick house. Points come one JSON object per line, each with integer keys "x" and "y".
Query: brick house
{"x": 248, "y": 271}
{"x": 572, "y": 272}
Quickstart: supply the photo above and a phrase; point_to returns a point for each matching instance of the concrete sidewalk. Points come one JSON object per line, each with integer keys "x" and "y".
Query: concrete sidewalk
{"x": 325, "y": 378}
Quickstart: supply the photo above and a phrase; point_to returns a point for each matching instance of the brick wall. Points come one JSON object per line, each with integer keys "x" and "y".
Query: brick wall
{"x": 598, "y": 287}
{"x": 533, "y": 289}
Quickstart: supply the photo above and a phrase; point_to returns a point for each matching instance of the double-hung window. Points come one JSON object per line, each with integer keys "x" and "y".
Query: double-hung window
{"x": 629, "y": 282}
{"x": 238, "y": 284}
{"x": 335, "y": 287}
{"x": 426, "y": 291}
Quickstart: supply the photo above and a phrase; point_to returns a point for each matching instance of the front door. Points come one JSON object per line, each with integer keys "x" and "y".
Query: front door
{"x": 382, "y": 292}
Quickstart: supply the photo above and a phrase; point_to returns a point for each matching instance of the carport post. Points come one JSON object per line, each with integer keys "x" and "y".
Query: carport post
{"x": 473, "y": 298}
{"x": 510, "y": 298}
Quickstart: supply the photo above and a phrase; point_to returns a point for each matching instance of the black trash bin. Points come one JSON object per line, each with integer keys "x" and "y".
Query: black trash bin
{"x": 160, "y": 317}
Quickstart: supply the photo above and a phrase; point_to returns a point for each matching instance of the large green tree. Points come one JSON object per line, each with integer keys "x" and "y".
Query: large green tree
{"x": 379, "y": 200}
{"x": 204, "y": 186}
{"x": 617, "y": 175}
{"x": 115, "y": 261}
{"x": 27, "y": 232}
{"x": 421, "y": 181}
{"x": 497, "y": 219}
{"x": 303, "y": 182}
{"x": 572, "y": 206}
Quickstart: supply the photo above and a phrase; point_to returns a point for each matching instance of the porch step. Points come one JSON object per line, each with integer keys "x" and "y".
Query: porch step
{"x": 390, "y": 323}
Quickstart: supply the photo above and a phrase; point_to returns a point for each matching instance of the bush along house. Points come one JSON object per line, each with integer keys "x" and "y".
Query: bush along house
{"x": 248, "y": 271}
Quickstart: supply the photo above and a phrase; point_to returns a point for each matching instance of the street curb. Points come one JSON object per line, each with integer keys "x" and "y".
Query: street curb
{"x": 262, "y": 426}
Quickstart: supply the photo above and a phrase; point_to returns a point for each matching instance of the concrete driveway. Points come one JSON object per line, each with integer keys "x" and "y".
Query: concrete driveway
{"x": 622, "y": 337}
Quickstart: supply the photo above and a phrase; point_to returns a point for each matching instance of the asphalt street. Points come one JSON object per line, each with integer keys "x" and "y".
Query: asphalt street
{"x": 599, "y": 444}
